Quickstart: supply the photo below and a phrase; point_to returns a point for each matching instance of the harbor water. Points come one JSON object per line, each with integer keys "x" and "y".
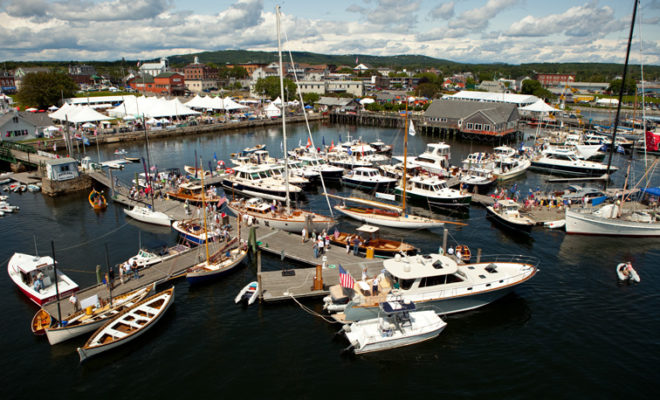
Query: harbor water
{"x": 572, "y": 331}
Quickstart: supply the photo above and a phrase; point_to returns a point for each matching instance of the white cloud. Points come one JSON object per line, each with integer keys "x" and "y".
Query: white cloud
{"x": 586, "y": 20}
{"x": 397, "y": 14}
{"x": 478, "y": 18}
{"x": 442, "y": 11}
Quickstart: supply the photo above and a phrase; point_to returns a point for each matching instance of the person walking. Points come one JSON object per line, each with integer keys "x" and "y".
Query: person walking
{"x": 134, "y": 267}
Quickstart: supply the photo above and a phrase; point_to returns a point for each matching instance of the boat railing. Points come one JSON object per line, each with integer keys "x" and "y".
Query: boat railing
{"x": 512, "y": 258}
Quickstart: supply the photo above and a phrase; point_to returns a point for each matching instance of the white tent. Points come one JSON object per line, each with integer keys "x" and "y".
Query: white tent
{"x": 201, "y": 102}
{"x": 607, "y": 102}
{"x": 155, "y": 107}
{"x": 272, "y": 110}
{"x": 367, "y": 100}
{"x": 232, "y": 105}
{"x": 539, "y": 106}
{"x": 78, "y": 114}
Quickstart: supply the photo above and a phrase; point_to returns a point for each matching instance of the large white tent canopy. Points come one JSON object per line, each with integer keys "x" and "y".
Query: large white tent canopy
{"x": 214, "y": 103}
{"x": 272, "y": 110}
{"x": 539, "y": 106}
{"x": 152, "y": 107}
{"x": 78, "y": 114}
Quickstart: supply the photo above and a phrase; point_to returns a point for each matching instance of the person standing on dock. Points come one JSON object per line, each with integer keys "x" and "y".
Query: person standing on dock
{"x": 304, "y": 234}
{"x": 321, "y": 242}
{"x": 121, "y": 274}
{"x": 134, "y": 267}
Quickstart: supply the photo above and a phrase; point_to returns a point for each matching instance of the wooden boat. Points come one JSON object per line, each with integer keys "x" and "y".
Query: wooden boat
{"x": 193, "y": 232}
{"x": 397, "y": 325}
{"x": 219, "y": 264}
{"x": 506, "y": 212}
{"x": 465, "y": 252}
{"x": 97, "y": 200}
{"x": 290, "y": 220}
{"x": 40, "y": 322}
{"x": 192, "y": 192}
{"x": 249, "y": 293}
{"x": 369, "y": 240}
{"x": 90, "y": 319}
{"x": 129, "y": 325}
{"x": 196, "y": 172}
{"x": 35, "y": 277}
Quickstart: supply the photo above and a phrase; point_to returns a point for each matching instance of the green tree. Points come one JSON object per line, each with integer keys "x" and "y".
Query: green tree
{"x": 311, "y": 98}
{"x": 271, "y": 87}
{"x": 534, "y": 87}
{"x": 630, "y": 88}
{"x": 428, "y": 89}
{"x": 43, "y": 89}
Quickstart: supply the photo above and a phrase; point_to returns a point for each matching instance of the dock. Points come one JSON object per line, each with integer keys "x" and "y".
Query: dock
{"x": 165, "y": 270}
{"x": 26, "y": 178}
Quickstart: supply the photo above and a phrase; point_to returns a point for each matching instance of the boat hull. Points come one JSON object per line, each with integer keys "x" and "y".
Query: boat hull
{"x": 444, "y": 202}
{"x": 150, "y": 217}
{"x": 206, "y": 276}
{"x": 578, "y": 223}
{"x": 395, "y": 222}
{"x": 524, "y": 228}
{"x": 288, "y": 225}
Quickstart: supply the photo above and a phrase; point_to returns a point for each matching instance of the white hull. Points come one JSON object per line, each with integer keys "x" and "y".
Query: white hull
{"x": 92, "y": 347}
{"x": 293, "y": 224}
{"x": 403, "y": 222}
{"x": 586, "y": 224}
{"x": 250, "y": 291}
{"x": 512, "y": 173}
{"x": 62, "y": 335}
{"x": 145, "y": 214}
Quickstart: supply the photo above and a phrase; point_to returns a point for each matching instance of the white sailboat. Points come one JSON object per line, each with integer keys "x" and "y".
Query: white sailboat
{"x": 287, "y": 218}
{"x": 377, "y": 213}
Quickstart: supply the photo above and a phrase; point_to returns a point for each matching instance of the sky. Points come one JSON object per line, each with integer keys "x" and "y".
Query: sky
{"x": 472, "y": 31}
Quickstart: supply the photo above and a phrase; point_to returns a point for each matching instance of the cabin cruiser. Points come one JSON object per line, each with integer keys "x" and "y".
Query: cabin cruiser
{"x": 563, "y": 161}
{"x": 439, "y": 282}
{"x": 35, "y": 277}
{"x": 257, "y": 180}
{"x": 367, "y": 179}
{"x": 507, "y": 213}
{"x": 317, "y": 164}
{"x": 433, "y": 191}
{"x": 435, "y": 159}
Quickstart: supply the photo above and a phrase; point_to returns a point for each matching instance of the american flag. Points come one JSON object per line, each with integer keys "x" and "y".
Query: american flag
{"x": 345, "y": 278}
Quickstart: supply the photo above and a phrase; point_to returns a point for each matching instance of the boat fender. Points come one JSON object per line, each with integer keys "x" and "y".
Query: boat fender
{"x": 229, "y": 171}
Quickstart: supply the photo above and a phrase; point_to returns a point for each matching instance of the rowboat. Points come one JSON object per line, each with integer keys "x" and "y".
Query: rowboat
{"x": 89, "y": 320}
{"x": 248, "y": 293}
{"x": 128, "y": 325}
{"x": 40, "y": 322}
{"x": 97, "y": 200}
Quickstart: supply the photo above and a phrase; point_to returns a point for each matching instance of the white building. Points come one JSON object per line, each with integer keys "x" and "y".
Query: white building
{"x": 62, "y": 169}
{"x": 154, "y": 69}
{"x": 520, "y": 100}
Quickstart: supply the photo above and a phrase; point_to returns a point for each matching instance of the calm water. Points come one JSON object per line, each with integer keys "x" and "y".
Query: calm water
{"x": 571, "y": 331}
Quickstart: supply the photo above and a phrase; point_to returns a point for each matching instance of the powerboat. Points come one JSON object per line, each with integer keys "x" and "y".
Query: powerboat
{"x": 433, "y": 191}
{"x": 35, "y": 277}
{"x": 367, "y": 178}
{"x": 507, "y": 213}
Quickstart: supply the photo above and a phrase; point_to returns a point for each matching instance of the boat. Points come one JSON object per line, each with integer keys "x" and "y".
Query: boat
{"x": 437, "y": 281}
{"x": 192, "y": 192}
{"x": 277, "y": 216}
{"x": 193, "y": 232}
{"x": 145, "y": 258}
{"x": 148, "y": 215}
{"x": 319, "y": 165}
{"x": 97, "y": 200}
{"x": 434, "y": 160}
{"x": 128, "y": 325}
{"x": 217, "y": 265}
{"x": 35, "y": 277}
{"x": 33, "y": 188}
{"x": 609, "y": 220}
{"x": 8, "y": 208}
{"x": 507, "y": 213}
{"x": 133, "y": 159}
{"x": 477, "y": 180}
{"x": 557, "y": 224}
{"x": 250, "y": 150}
{"x": 248, "y": 294}
{"x": 91, "y": 318}
{"x": 369, "y": 242}
{"x": 508, "y": 165}
{"x": 398, "y": 324}
{"x": 433, "y": 191}
{"x": 258, "y": 180}
{"x": 196, "y": 172}
{"x": 625, "y": 272}
{"x": 120, "y": 152}
{"x": 566, "y": 162}
{"x": 41, "y": 320}
{"x": 367, "y": 178}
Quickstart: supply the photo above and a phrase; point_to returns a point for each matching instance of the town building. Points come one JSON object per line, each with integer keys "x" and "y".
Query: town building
{"x": 492, "y": 86}
{"x": 355, "y": 88}
{"x": 165, "y": 83}
{"x": 342, "y": 104}
{"x": 154, "y": 68}
{"x": 7, "y": 83}
{"x": 554, "y": 79}
{"x": 20, "y": 125}
{"x": 82, "y": 69}
{"x": 520, "y": 100}
{"x": 472, "y": 118}
{"x": 62, "y": 169}
{"x": 21, "y": 72}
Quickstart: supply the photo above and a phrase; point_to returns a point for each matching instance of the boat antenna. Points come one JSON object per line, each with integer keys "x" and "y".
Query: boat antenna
{"x": 286, "y": 164}
{"x": 57, "y": 286}
{"x": 36, "y": 250}
{"x": 206, "y": 234}
{"x": 623, "y": 85}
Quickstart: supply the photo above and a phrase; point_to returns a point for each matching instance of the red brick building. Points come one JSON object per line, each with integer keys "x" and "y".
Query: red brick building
{"x": 555, "y": 79}
{"x": 165, "y": 83}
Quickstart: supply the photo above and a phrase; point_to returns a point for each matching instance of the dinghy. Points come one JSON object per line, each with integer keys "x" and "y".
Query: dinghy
{"x": 129, "y": 325}
{"x": 89, "y": 320}
{"x": 249, "y": 293}
{"x": 625, "y": 272}
{"x": 40, "y": 322}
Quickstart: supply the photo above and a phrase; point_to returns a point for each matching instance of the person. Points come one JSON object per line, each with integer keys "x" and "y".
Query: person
{"x": 374, "y": 285}
{"x": 364, "y": 274}
{"x": 321, "y": 245}
{"x": 356, "y": 245}
{"x": 127, "y": 269}
{"x": 111, "y": 275}
{"x": 316, "y": 248}
{"x": 348, "y": 244}
{"x": 121, "y": 274}
{"x": 459, "y": 255}
{"x": 450, "y": 251}
{"x": 327, "y": 242}
{"x": 134, "y": 267}
{"x": 39, "y": 282}
{"x": 304, "y": 234}
{"x": 74, "y": 301}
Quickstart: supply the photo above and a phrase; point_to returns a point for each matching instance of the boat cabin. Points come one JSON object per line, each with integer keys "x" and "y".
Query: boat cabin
{"x": 30, "y": 271}
{"x": 504, "y": 151}
{"x": 364, "y": 172}
{"x": 507, "y": 206}
{"x": 431, "y": 184}
{"x": 415, "y": 272}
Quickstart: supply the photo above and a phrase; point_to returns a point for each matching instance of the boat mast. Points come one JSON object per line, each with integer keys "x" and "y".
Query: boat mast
{"x": 57, "y": 286}
{"x": 405, "y": 158}
{"x": 286, "y": 164}
{"x": 623, "y": 85}
{"x": 206, "y": 234}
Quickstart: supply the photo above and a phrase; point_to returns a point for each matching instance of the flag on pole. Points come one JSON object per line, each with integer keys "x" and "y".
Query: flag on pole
{"x": 411, "y": 129}
{"x": 345, "y": 278}
{"x": 309, "y": 143}
{"x": 332, "y": 145}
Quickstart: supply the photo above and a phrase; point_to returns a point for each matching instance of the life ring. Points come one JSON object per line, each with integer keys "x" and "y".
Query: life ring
{"x": 229, "y": 171}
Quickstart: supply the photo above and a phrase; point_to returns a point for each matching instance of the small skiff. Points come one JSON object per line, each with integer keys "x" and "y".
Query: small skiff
{"x": 128, "y": 325}
{"x": 627, "y": 274}
{"x": 248, "y": 293}
{"x": 84, "y": 321}
{"x": 220, "y": 264}
{"x": 40, "y": 322}
{"x": 558, "y": 224}
{"x": 97, "y": 200}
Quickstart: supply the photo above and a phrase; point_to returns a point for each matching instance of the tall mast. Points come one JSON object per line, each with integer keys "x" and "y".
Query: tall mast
{"x": 206, "y": 234}
{"x": 405, "y": 158}
{"x": 623, "y": 85}
{"x": 286, "y": 163}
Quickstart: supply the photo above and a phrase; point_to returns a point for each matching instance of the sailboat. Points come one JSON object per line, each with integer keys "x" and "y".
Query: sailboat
{"x": 383, "y": 214}
{"x": 287, "y": 218}
{"x": 220, "y": 263}
{"x": 144, "y": 213}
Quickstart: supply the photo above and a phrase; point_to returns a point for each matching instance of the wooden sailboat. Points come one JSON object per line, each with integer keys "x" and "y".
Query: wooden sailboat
{"x": 223, "y": 261}
{"x": 287, "y": 218}
{"x": 129, "y": 325}
{"x": 377, "y": 213}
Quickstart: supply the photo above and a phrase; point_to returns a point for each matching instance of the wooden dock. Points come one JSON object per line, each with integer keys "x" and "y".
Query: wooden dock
{"x": 26, "y": 178}
{"x": 155, "y": 273}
